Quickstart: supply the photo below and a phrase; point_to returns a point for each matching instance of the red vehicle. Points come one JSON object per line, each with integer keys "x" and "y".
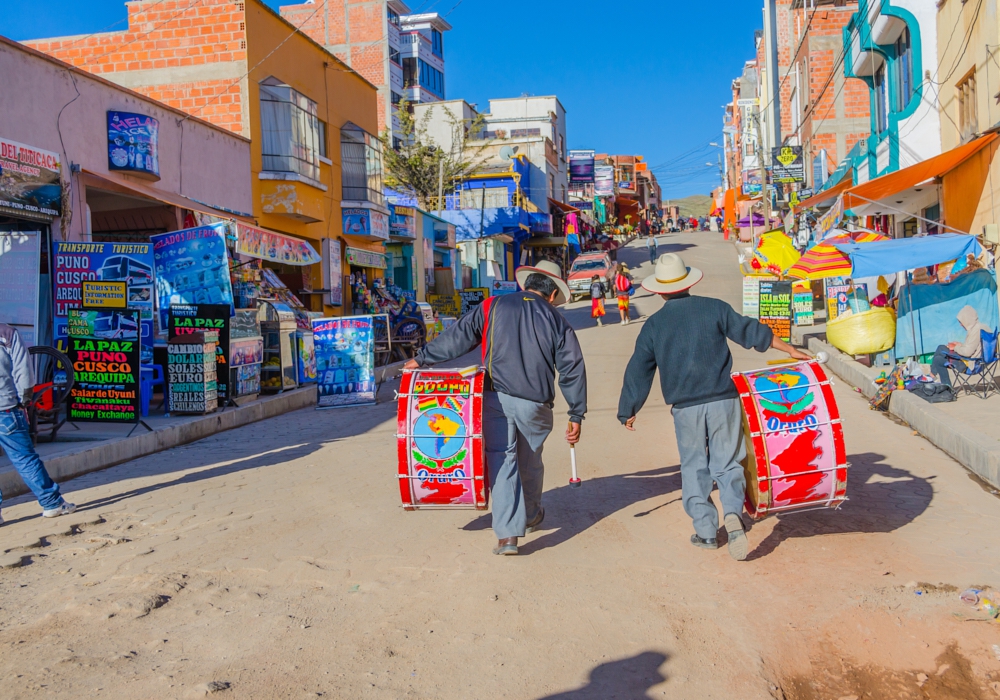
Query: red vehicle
{"x": 583, "y": 270}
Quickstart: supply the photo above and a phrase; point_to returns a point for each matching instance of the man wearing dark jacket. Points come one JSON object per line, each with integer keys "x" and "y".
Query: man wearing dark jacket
{"x": 525, "y": 342}
{"x": 687, "y": 341}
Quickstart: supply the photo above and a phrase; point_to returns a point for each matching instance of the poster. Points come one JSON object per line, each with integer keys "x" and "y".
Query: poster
{"x": 104, "y": 352}
{"x": 751, "y": 297}
{"x": 787, "y": 164}
{"x": 19, "y": 279}
{"x": 30, "y": 183}
{"x": 186, "y": 319}
{"x": 192, "y": 267}
{"x": 836, "y": 297}
{"x": 776, "y": 308}
{"x": 131, "y": 263}
{"x": 471, "y": 298}
{"x": 345, "y": 360}
{"x": 191, "y": 373}
{"x": 335, "y": 276}
{"x": 604, "y": 181}
{"x": 802, "y": 304}
{"x": 133, "y": 144}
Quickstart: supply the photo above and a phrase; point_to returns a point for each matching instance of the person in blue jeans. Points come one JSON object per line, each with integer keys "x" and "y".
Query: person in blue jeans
{"x": 16, "y": 383}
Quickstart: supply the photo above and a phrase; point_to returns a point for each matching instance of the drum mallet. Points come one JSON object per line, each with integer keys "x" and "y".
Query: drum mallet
{"x": 574, "y": 481}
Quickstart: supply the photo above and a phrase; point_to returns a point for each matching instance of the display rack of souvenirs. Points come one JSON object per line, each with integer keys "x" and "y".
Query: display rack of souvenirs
{"x": 191, "y": 379}
{"x": 278, "y": 328}
{"x": 362, "y": 301}
{"x": 246, "y": 354}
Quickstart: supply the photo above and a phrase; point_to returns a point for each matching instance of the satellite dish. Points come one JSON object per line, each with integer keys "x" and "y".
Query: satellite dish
{"x": 507, "y": 152}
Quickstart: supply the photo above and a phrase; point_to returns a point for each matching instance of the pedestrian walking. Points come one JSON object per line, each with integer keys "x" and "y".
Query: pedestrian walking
{"x": 687, "y": 341}
{"x": 623, "y": 291}
{"x": 16, "y": 384}
{"x": 597, "y": 294}
{"x": 651, "y": 246}
{"x": 524, "y": 343}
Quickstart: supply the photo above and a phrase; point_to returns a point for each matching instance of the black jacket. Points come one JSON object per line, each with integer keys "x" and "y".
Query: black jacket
{"x": 687, "y": 341}
{"x": 528, "y": 341}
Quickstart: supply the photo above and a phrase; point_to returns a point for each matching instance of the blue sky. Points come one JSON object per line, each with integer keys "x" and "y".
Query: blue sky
{"x": 635, "y": 77}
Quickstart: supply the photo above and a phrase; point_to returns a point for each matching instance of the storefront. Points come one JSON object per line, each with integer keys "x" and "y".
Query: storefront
{"x": 401, "y": 272}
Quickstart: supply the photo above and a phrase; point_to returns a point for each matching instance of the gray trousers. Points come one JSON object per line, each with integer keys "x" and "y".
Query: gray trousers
{"x": 514, "y": 431}
{"x": 710, "y": 442}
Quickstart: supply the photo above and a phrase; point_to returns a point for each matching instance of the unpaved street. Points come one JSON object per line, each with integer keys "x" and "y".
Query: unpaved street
{"x": 274, "y": 561}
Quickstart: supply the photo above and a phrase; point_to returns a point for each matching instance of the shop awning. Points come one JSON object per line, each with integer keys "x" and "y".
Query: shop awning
{"x": 275, "y": 247}
{"x": 825, "y": 196}
{"x": 562, "y": 206}
{"x": 176, "y": 200}
{"x": 898, "y": 192}
{"x": 887, "y": 257}
{"x": 545, "y": 242}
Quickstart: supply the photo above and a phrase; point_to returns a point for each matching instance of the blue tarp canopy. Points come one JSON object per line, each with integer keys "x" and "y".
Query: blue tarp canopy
{"x": 886, "y": 257}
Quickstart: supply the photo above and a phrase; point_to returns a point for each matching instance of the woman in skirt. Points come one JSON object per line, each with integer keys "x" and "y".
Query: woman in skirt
{"x": 623, "y": 287}
{"x": 597, "y": 294}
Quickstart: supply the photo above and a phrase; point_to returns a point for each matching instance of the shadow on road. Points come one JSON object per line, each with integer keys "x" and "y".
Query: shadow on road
{"x": 569, "y": 511}
{"x": 627, "y": 679}
{"x": 882, "y": 498}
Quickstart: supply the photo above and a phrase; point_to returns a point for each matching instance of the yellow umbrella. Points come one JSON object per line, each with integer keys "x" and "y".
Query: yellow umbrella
{"x": 775, "y": 252}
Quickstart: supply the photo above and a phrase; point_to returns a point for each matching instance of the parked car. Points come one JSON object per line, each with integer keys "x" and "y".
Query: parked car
{"x": 583, "y": 270}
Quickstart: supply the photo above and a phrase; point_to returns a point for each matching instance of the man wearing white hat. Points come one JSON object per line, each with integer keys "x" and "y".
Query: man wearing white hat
{"x": 524, "y": 342}
{"x": 687, "y": 341}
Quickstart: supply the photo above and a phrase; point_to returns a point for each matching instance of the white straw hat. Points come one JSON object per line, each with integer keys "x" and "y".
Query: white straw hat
{"x": 672, "y": 276}
{"x": 550, "y": 270}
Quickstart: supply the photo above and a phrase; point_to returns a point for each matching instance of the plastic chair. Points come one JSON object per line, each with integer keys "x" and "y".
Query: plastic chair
{"x": 981, "y": 369}
{"x": 150, "y": 376}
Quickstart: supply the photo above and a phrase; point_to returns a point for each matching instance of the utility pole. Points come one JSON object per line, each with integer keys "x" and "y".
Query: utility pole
{"x": 763, "y": 176}
{"x": 440, "y": 203}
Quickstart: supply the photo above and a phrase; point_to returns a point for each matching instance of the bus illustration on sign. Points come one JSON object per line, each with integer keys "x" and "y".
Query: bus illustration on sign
{"x": 120, "y": 268}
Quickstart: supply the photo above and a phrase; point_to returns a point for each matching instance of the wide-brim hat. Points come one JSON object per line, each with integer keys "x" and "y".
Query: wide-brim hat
{"x": 550, "y": 270}
{"x": 672, "y": 276}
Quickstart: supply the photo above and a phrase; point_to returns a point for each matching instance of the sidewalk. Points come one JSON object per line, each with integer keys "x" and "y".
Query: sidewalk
{"x": 89, "y": 447}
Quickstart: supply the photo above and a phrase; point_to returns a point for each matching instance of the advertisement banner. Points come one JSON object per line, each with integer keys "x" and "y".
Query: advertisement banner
{"x": 345, "y": 360}
{"x": 104, "y": 352}
{"x": 358, "y": 257}
{"x": 131, "y": 263}
{"x": 581, "y": 166}
{"x": 776, "y": 308}
{"x": 268, "y": 245}
{"x": 19, "y": 264}
{"x": 829, "y": 220}
{"x": 335, "y": 269}
{"x": 366, "y": 222}
{"x": 104, "y": 295}
{"x": 29, "y": 181}
{"x": 604, "y": 180}
{"x": 192, "y": 267}
{"x": 788, "y": 164}
{"x": 133, "y": 144}
{"x": 186, "y": 319}
{"x": 402, "y": 221}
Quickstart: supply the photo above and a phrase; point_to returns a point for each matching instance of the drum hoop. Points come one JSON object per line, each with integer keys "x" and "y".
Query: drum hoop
{"x": 818, "y": 505}
{"x": 752, "y": 419}
{"x": 810, "y": 427}
{"x": 809, "y": 471}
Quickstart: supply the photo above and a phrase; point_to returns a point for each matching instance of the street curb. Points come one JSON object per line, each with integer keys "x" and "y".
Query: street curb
{"x": 975, "y": 450}
{"x": 62, "y": 467}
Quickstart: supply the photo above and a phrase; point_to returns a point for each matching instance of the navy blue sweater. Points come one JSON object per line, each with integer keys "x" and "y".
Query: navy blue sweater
{"x": 686, "y": 340}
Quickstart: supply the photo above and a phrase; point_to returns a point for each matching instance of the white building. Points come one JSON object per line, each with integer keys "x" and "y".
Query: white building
{"x": 421, "y": 47}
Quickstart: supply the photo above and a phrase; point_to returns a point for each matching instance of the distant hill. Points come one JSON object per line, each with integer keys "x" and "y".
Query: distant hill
{"x": 696, "y": 205}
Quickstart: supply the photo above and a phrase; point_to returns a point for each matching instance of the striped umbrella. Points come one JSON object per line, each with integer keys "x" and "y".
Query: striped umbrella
{"x": 824, "y": 260}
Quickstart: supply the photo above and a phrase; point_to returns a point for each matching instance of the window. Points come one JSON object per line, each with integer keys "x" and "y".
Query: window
{"x": 393, "y": 16}
{"x": 881, "y": 102}
{"x": 361, "y": 165}
{"x": 293, "y": 138}
{"x": 552, "y": 185}
{"x": 968, "y": 121}
{"x": 437, "y": 42}
{"x": 396, "y": 97}
{"x": 394, "y": 56}
{"x": 410, "y": 72}
{"x": 903, "y": 71}
{"x": 431, "y": 78}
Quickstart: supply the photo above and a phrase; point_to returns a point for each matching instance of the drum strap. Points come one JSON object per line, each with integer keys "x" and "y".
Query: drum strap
{"x": 487, "y": 339}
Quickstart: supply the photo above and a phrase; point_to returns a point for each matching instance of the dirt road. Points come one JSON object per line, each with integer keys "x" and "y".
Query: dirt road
{"x": 273, "y": 561}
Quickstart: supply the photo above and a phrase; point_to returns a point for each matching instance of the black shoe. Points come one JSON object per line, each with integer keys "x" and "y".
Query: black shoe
{"x": 738, "y": 545}
{"x": 536, "y": 523}
{"x": 711, "y": 543}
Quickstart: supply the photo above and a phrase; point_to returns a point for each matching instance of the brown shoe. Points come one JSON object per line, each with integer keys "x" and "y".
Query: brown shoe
{"x": 506, "y": 546}
{"x": 536, "y": 523}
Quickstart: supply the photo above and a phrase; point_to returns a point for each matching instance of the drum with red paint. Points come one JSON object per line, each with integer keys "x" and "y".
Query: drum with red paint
{"x": 442, "y": 460}
{"x": 796, "y": 459}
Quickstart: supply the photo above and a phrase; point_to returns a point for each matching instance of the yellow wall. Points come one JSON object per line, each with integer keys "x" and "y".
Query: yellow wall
{"x": 341, "y": 96}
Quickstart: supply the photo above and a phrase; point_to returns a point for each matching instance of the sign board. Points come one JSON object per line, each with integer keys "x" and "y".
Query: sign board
{"x": 788, "y": 164}
{"x": 751, "y": 182}
{"x": 268, "y": 245}
{"x": 334, "y": 272}
{"x": 604, "y": 180}
{"x": 366, "y": 222}
{"x": 747, "y": 102}
{"x": 358, "y": 257}
{"x": 133, "y": 144}
{"x": 581, "y": 166}
{"x": 471, "y": 298}
{"x": 829, "y": 220}
{"x": 76, "y": 263}
{"x": 30, "y": 181}
{"x": 188, "y": 319}
{"x": 445, "y": 304}
{"x": 776, "y": 308}
{"x": 751, "y": 297}
{"x": 501, "y": 287}
{"x": 20, "y": 253}
{"x": 836, "y": 296}
{"x": 802, "y": 304}
{"x": 345, "y": 360}
{"x": 192, "y": 267}
{"x": 402, "y": 221}
{"x": 191, "y": 373}
{"x": 104, "y": 295}
{"x": 104, "y": 351}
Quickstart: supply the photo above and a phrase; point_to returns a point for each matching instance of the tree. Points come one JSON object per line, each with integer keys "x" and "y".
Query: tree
{"x": 419, "y": 166}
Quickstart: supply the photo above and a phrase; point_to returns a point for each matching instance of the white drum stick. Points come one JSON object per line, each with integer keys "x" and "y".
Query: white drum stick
{"x": 574, "y": 480}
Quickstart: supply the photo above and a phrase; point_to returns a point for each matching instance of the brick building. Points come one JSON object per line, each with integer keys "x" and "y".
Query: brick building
{"x": 311, "y": 120}
{"x": 401, "y": 54}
